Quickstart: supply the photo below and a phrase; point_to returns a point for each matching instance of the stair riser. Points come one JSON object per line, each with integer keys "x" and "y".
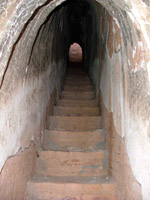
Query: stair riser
{"x": 70, "y": 191}
{"x": 76, "y": 111}
{"x": 77, "y": 78}
{"x": 76, "y": 73}
{"x": 78, "y": 88}
{"x": 74, "y": 103}
{"x": 73, "y": 141}
{"x": 77, "y": 84}
{"x": 52, "y": 163}
{"x": 78, "y": 81}
{"x": 45, "y": 195}
{"x": 78, "y": 95}
{"x": 69, "y": 89}
{"x": 75, "y": 123}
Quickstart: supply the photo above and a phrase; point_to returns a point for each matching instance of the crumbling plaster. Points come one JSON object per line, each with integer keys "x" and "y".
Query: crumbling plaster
{"x": 25, "y": 91}
{"x": 25, "y": 17}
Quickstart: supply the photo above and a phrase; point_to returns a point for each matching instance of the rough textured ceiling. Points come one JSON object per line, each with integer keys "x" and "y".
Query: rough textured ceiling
{"x": 16, "y": 16}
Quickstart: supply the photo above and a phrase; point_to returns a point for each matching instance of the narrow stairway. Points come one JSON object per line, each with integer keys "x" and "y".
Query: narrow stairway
{"x": 73, "y": 164}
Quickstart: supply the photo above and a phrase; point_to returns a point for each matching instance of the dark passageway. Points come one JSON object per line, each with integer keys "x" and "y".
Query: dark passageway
{"x": 36, "y": 59}
{"x": 72, "y": 22}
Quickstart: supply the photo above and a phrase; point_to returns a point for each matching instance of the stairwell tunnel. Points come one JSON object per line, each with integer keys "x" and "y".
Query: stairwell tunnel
{"x": 34, "y": 55}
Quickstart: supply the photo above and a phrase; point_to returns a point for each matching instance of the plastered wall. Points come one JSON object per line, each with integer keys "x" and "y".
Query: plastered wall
{"x": 124, "y": 49}
{"x": 124, "y": 86}
{"x": 30, "y": 86}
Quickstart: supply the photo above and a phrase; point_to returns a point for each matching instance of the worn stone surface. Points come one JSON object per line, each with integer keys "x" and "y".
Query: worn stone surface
{"x": 76, "y": 111}
{"x": 77, "y": 123}
{"x": 78, "y": 95}
{"x": 73, "y": 141}
{"x": 75, "y": 188}
{"x": 85, "y": 103}
{"x": 57, "y": 163}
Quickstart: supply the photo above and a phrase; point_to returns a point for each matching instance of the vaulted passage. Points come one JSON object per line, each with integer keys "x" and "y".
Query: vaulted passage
{"x": 75, "y": 100}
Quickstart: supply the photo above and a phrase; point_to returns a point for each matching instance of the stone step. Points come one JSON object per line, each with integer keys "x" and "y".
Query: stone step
{"x": 75, "y": 111}
{"x": 79, "y": 89}
{"x": 71, "y": 79}
{"x": 84, "y": 103}
{"x": 71, "y": 123}
{"x": 59, "y": 163}
{"x": 81, "y": 83}
{"x": 78, "y": 95}
{"x": 74, "y": 188}
{"x": 78, "y": 85}
{"x": 73, "y": 141}
{"x": 77, "y": 72}
{"x": 85, "y": 79}
{"x": 76, "y": 77}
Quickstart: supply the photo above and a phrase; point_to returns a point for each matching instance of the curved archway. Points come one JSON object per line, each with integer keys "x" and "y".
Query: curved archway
{"x": 119, "y": 68}
{"x": 75, "y": 53}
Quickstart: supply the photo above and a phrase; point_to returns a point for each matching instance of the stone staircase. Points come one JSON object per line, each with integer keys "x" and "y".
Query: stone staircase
{"x": 73, "y": 164}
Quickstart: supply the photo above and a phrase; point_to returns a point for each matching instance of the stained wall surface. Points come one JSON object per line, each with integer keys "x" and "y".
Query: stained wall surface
{"x": 121, "y": 72}
{"x": 30, "y": 86}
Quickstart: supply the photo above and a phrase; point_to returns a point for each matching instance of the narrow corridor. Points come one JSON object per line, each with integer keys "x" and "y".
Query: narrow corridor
{"x": 86, "y": 126}
{"x": 74, "y": 162}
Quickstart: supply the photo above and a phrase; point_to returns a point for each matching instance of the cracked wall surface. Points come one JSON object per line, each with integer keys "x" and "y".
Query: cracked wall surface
{"x": 123, "y": 56}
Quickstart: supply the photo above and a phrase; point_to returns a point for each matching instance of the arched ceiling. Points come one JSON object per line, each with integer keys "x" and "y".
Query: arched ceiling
{"x": 19, "y": 16}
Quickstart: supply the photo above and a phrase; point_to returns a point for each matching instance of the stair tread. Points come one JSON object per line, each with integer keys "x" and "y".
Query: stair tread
{"x": 72, "y": 103}
{"x": 77, "y": 180}
{"x": 74, "y": 132}
{"x": 76, "y": 111}
{"x": 73, "y": 141}
{"x": 78, "y": 92}
{"x": 77, "y": 107}
{"x": 74, "y": 123}
{"x": 64, "y": 163}
{"x": 74, "y": 117}
{"x": 78, "y": 95}
{"x": 87, "y": 188}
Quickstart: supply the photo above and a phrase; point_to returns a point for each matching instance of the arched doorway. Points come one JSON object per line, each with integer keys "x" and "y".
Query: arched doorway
{"x": 75, "y": 53}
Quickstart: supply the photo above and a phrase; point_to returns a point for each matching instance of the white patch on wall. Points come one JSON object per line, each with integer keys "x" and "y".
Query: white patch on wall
{"x": 116, "y": 22}
{"x": 135, "y": 15}
{"x": 23, "y": 117}
{"x": 138, "y": 148}
{"x": 134, "y": 52}
{"x": 148, "y": 70}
